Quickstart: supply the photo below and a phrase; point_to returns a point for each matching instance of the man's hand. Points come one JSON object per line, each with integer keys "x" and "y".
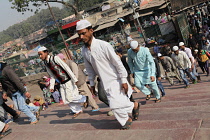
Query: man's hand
{"x": 51, "y": 90}
{"x": 192, "y": 66}
{"x": 159, "y": 78}
{"x": 93, "y": 91}
{"x": 152, "y": 78}
{"x": 28, "y": 95}
{"x": 4, "y": 96}
{"x": 125, "y": 87}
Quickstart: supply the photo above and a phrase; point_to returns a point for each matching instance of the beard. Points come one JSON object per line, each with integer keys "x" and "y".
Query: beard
{"x": 87, "y": 43}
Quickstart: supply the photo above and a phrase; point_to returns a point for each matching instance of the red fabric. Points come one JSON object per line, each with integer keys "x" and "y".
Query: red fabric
{"x": 207, "y": 53}
{"x": 36, "y": 104}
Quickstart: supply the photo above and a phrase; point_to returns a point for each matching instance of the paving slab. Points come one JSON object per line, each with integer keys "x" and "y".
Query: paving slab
{"x": 202, "y": 134}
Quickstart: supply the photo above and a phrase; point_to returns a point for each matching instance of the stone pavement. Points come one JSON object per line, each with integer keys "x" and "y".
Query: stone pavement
{"x": 184, "y": 114}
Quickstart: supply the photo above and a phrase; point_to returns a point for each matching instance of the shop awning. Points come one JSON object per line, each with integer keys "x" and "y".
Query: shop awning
{"x": 163, "y": 6}
{"x": 69, "y": 25}
{"x": 153, "y": 3}
{"x": 100, "y": 27}
{"x": 106, "y": 25}
{"x": 145, "y": 14}
{"x": 73, "y": 37}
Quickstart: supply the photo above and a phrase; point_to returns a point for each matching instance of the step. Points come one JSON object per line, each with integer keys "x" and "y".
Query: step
{"x": 107, "y": 124}
{"x": 170, "y": 134}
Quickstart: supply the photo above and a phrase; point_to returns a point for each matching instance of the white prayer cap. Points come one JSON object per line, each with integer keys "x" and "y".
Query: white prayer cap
{"x": 134, "y": 44}
{"x": 196, "y": 50}
{"x": 129, "y": 39}
{"x": 181, "y": 43}
{"x": 159, "y": 55}
{"x": 42, "y": 49}
{"x": 82, "y": 24}
{"x": 175, "y": 48}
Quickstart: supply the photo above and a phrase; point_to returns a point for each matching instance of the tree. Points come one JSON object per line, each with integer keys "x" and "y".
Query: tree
{"x": 23, "y": 5}
{"x": 32, "y": 24}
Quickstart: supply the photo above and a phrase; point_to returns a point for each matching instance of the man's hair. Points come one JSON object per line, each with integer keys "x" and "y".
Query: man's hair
{"x": 119, "y": 51}
{"x": 46, "y": 51}
{"x": 28, "y": 101}
{"x": 89, "y": 27}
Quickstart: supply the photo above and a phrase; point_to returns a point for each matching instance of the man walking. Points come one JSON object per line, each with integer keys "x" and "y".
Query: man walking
{"x": 81, "y": 84}
{"x": 158, "y": 78}
{"x": 58, "y": 69}
{"x": 100, "y": 59}
{"x": 15, "y": 90}
{"x": 183, "y": 63}
{"x": 193, "y": 75}
{"x": 142, "y": 65}
{"x": 170, "y": 69}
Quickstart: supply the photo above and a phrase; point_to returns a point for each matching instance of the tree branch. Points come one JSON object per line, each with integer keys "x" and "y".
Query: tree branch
{"x": 68, "y": 5}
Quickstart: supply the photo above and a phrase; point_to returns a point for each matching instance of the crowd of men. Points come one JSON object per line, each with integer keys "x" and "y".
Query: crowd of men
{"x": 115, "y": 74}
{"x": 181, "y": 61}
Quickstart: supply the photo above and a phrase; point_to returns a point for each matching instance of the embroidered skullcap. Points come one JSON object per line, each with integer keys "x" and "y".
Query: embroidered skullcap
{"x": 82, "y": 24}
{"x": 196, "y": 50}
{"x": 134, "y": 44}
{"x": 181, "y": 43}
{"x": 175, "y": 48}
{"x": 42, "y": 49}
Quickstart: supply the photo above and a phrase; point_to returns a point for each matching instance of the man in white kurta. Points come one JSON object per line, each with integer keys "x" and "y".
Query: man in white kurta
{"x": 69, "y": 91}
{"x": 100, "y": 59}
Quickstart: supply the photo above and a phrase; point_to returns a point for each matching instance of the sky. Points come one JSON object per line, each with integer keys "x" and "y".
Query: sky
{"x": 9, "y": 17}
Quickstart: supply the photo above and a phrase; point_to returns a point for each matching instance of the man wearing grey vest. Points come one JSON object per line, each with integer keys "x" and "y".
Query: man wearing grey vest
{"x": 57, "y": 69}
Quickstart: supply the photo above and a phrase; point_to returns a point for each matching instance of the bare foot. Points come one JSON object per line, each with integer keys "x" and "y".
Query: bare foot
{"x": 5, "y": 128}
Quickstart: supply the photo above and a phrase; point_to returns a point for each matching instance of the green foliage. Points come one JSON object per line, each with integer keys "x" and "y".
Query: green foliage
{"x": 84, "y": 4}
{"x": 32, "y": 24}
{"x": 23, "y": 5}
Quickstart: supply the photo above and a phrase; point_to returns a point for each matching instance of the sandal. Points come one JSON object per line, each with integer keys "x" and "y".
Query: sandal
{"x": 7, "y": 132}
{"x": 76, "y": 115}
{"x": 148, "y": 97}
{"x": 86, "y": 104}
{"x": 127, "y": 125}
{"x": 135, "y": 113}
{"x": 158, "y": 100}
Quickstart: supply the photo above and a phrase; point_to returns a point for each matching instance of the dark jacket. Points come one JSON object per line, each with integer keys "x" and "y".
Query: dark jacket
{"x": 11, "y": 83}
{"x": 125, "y": 64}
{"x": 192, "y": 43}
{"x": 158, "y": 73}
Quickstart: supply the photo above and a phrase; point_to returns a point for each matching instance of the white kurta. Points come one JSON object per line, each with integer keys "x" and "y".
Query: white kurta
{"x": 69, "y": 91}
{"x": 102, "y": 60}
